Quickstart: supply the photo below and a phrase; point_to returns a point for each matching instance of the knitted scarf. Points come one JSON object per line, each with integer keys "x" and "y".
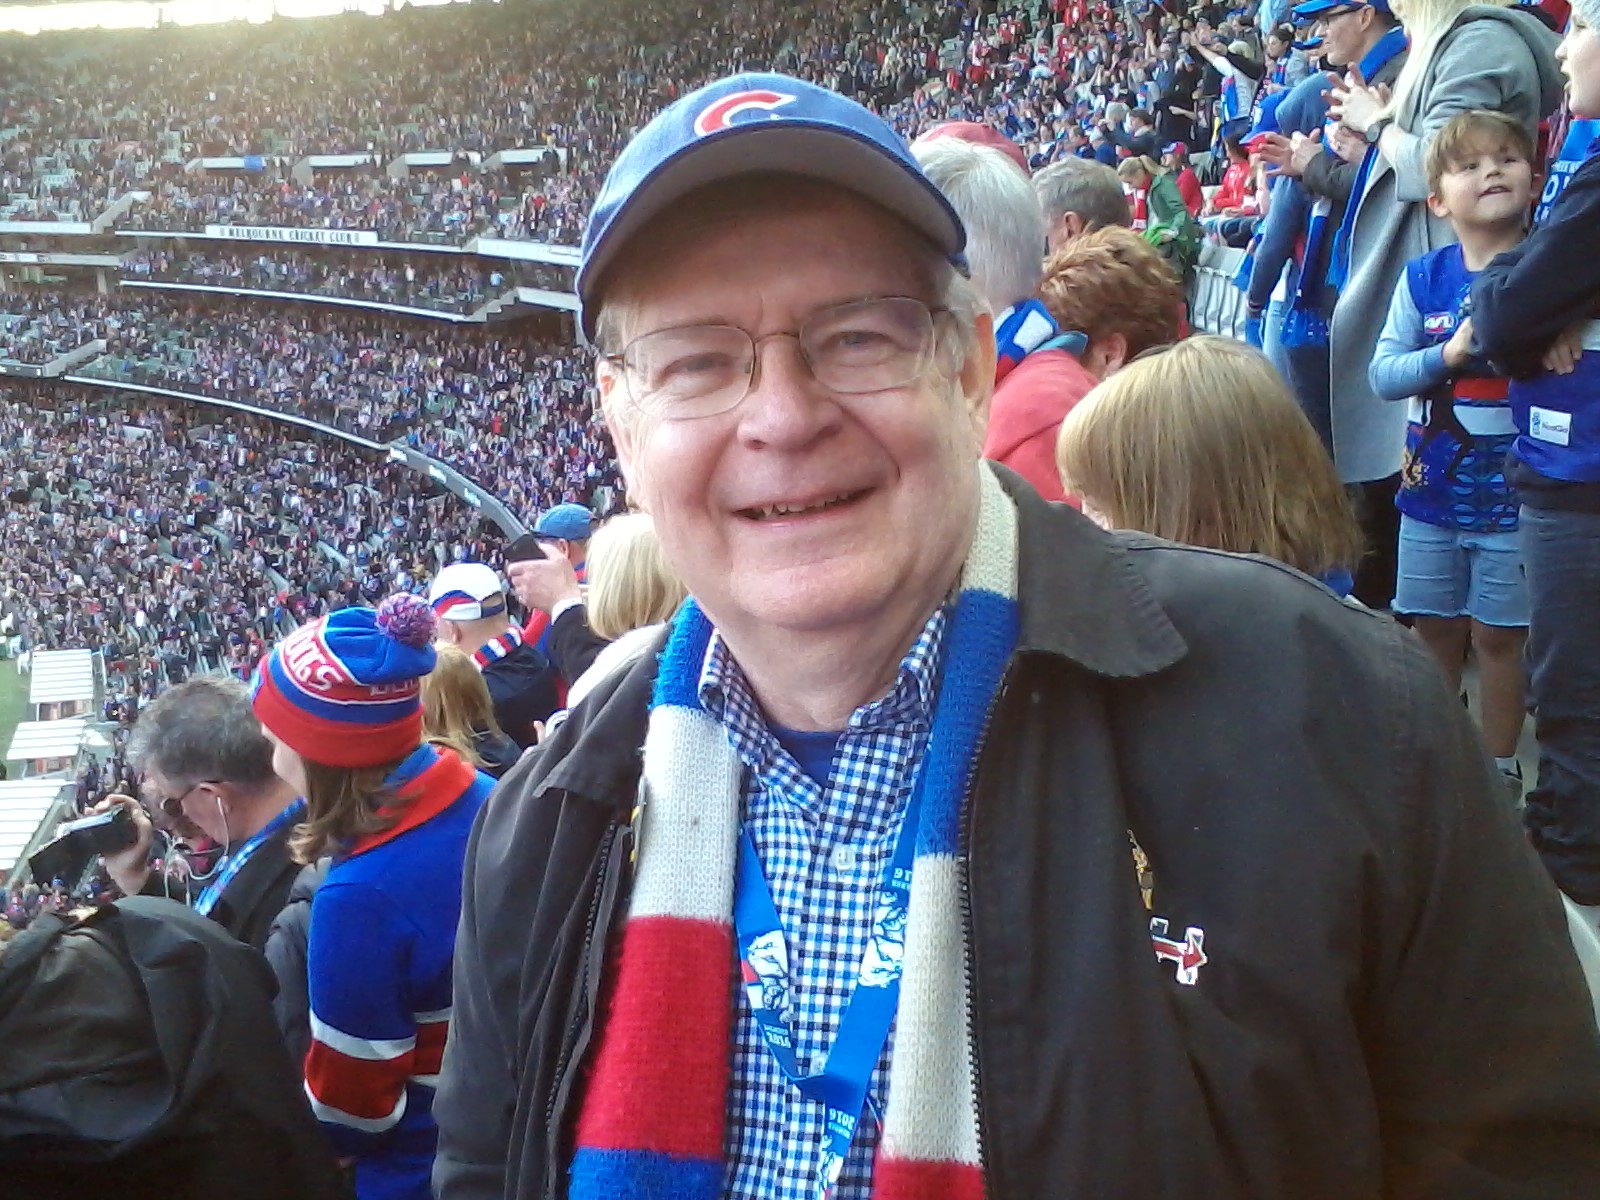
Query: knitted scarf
{"x": 497, "y": 648}
{"x": 651, "y": 1126}
{"x": 1019, "y": 331}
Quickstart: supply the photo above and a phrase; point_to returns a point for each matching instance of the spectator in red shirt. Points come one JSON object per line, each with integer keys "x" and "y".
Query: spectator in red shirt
{"x": 1175, "y": 157}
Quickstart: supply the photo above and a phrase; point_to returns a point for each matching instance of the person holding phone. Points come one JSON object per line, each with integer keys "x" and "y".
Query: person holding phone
{"x": 548, "y": 570}
{"x": 208, "y": 767}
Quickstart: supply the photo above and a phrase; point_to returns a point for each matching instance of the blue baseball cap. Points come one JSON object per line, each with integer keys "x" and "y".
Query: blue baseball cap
{"x": 569, "y": 522}
{"x": 1312, "y": 9}
{"x": 748, "y": 123}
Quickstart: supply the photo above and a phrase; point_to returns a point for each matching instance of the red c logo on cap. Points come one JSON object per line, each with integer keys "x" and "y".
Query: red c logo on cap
{"x": 720, "y": 114}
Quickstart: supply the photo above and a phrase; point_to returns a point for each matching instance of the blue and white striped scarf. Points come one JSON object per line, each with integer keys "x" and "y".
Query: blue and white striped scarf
{"x": 1025, "y": 327}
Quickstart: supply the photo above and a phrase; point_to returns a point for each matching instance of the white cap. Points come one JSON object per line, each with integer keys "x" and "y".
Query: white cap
{"x": 467, "y": 592}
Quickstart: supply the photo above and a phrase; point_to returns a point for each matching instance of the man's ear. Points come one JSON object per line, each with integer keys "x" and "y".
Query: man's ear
{"x": 977, "y": 373}
{"x": 620, "y": 417}
{"x": 1437, "y": 206}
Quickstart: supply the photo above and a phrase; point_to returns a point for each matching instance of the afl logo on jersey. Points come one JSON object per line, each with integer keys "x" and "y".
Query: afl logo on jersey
{"x": 721, "y": 114}
{"x": 1437, "y": 324}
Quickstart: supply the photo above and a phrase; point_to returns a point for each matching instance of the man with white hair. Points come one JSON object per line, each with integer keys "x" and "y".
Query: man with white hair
{"x": 1090, "y": 880}
{"x": 1038, "y": 377}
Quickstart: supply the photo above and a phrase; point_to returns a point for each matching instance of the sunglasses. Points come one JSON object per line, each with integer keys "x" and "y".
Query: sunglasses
{"x": 172, "y": 806}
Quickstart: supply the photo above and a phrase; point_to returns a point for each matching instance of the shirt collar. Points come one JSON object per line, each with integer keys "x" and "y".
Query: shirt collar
{"x": 725, "y": 693}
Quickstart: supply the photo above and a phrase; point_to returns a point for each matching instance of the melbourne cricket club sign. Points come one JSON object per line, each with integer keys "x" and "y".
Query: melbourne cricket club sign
{"x": 278, "y": 233}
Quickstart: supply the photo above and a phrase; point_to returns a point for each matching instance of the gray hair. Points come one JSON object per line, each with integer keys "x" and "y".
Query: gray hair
{"x": 1005, "y": 225}
{"x": 1086, "y": 187}
{"x": 203, "y": 729}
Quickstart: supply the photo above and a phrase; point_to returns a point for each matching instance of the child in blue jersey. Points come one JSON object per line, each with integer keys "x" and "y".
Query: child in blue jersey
{"x": 340, "y": 702}
{"x": 1535, "y": 314}
{"x": 1460, "y": 566}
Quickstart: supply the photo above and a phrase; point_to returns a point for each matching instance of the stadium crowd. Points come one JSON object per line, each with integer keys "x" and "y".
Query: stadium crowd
{"x": 577, "y": 79}
{"x": 39, "y": 327}
{"x": 447, "y": 284}
{"x": 171, "y": 541}
{"x": 466, "y": 398}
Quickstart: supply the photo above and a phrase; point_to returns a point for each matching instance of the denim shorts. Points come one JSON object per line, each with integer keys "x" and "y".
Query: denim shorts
{"x": 1448, "y": 572}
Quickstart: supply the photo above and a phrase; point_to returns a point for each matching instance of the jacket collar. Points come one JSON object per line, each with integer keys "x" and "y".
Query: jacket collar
{"x": 1081, "y": 597}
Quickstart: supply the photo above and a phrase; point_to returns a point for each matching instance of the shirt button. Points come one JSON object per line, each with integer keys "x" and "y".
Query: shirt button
{"x": 844, "y": 859}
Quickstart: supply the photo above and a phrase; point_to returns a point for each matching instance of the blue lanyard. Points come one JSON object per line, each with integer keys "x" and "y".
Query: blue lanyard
{"x": 236, "y": 861}
{"x": 843, "y": 1084}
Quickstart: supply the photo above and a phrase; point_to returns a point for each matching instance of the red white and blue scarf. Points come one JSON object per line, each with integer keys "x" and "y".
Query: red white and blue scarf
{"x": 653, "y": 1118}
{"x": 497, "y": 648}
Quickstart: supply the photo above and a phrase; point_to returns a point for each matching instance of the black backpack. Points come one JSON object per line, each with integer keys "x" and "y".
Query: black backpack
{"x": 139, "y": 1057}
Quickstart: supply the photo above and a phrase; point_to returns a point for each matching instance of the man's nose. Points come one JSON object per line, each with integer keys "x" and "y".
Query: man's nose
{"x": 786, "y": 405}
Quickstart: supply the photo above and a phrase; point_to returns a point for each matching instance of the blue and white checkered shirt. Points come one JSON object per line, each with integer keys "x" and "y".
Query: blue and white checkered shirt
{"x": 823, "y": 852}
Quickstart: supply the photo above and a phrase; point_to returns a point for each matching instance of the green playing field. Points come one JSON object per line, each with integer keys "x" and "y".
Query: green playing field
{"x": 13, "y": 701}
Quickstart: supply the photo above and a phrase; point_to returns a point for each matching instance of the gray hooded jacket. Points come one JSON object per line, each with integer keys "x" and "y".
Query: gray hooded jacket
{"x": 1500, "y": 59}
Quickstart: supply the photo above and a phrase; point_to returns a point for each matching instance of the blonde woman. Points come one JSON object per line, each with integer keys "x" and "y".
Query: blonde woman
{"x": 458, "y": 711}
{"x": 1464, "y": 56}
{"x": 632, "y": 594}
{"x": 1202, "y": 443}
{"x": 1156, "y": 201}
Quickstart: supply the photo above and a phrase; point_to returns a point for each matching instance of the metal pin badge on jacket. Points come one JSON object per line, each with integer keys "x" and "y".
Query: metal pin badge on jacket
{"x": 1188, "y": 955}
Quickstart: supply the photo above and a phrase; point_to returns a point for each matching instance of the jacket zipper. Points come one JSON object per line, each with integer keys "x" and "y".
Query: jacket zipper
{"x": 967, "y": 822}
{"x": 601, "y": 907}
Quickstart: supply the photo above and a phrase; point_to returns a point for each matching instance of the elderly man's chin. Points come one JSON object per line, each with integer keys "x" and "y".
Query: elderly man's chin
{"x": 822, "y": 599}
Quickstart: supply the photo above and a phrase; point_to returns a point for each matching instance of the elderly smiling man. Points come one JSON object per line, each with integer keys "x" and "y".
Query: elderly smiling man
{"x": 952, "y": 847}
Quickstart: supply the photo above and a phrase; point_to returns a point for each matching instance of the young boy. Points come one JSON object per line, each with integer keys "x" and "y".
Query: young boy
{"x": 1460, "y": 572}
{"x": 1535, "y": 316}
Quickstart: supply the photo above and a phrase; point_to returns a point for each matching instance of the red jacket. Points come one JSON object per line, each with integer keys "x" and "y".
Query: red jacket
{"x": 1026, "y": 413}
{"x": 1234, "y": 189}
{"x": 1194, "y": 198}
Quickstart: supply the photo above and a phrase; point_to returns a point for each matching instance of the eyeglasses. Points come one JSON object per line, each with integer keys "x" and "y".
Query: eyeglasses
{"x": 1323, "y": 19}
{"x": 172, "y": 806}
{"x": 857, "y": 348}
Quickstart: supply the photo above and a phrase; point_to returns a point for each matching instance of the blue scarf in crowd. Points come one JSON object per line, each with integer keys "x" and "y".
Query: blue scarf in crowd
{"x": 1024, "y": 328}
{"x": 1372, "y": 62}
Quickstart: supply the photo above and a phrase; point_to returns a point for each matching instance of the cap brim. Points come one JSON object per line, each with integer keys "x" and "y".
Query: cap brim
{"x": 1314, "y": 8}
{"x": 794, "y": 147}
